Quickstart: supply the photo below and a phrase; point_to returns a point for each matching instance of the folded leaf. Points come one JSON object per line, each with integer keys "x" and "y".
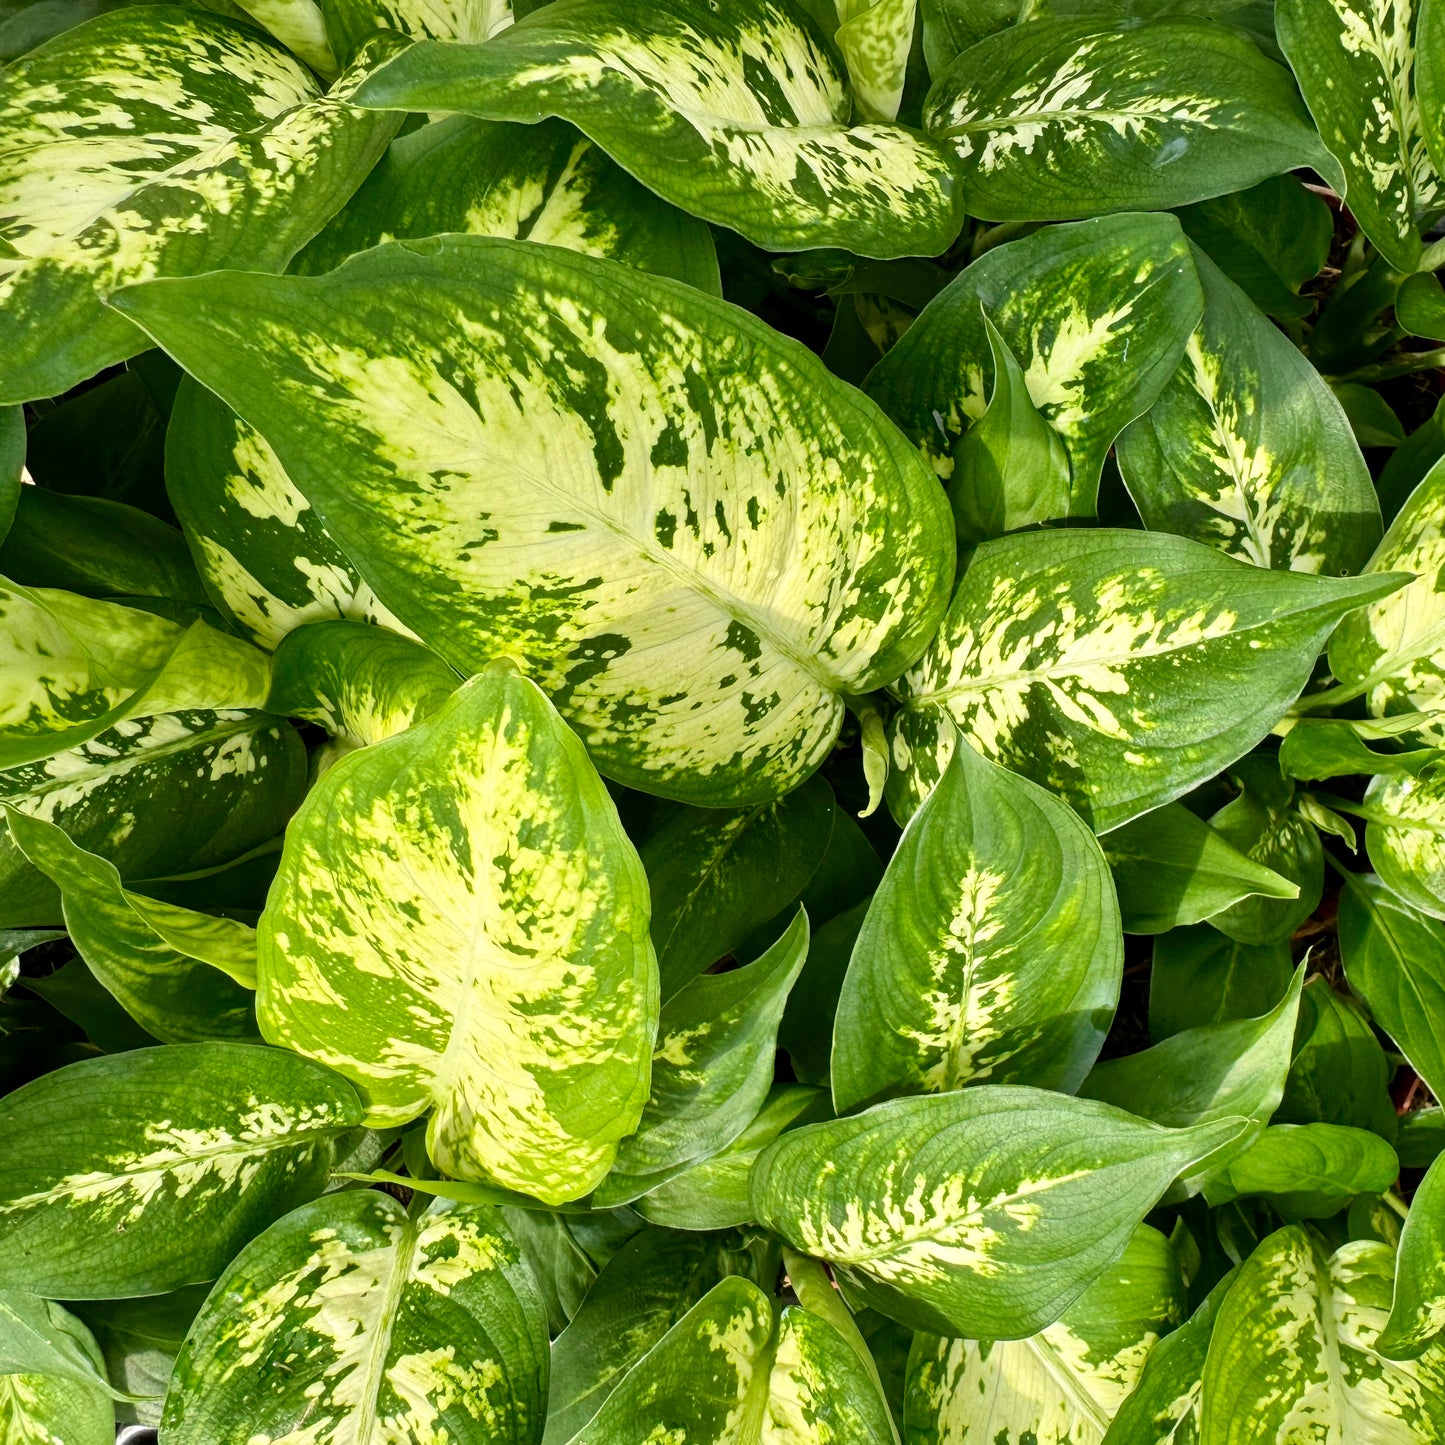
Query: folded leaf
{"x": 686, "y": 101}
{"x": 460, "y": 924}
{"x": 154, "y": 142}
{"x": 1201, "y": 977}
{"x": 697, "y": 613}
{"x": 53, "y": 1388}
{"x": 350, "y": 23}
{"x": 1247, "y": 448}
{"x": 992, "y": 949}
{"x": 875, "y": 37}
{"x": 141, "y": 1172}
{"x": 1406, "y": 837}
{"x": 1067, "y": 117}
{"x": 1307, "y": 1171}
{"x": 365, "y": 1319}
{"x": 1096, "y": 314}
{"x": 1417, "y": 1311}
{"x": 985, "y": 1212}
{"x": 1118, "y": 668}
{"x": 1315, "y": 748}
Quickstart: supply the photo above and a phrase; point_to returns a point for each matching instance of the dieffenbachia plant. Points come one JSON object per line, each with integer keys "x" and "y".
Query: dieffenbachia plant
{"x": 722, "y": 722}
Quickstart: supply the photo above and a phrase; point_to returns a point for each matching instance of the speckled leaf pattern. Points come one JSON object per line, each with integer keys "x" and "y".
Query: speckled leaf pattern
{"x": 1393, "y": 651}
{"x": 460, "y": 924}
{"x": 354, "y": 1321}
{"x": 1096, "y": 314}
{"x": 266, "y": 559}
{"x": 875, "y": 37}
{"x": 1355, "y": 61}
{"x": 738, "y": 114}
{"x": 1294, "y": 1350}
{"x": 1248, "y": 450}
{"x": 992, "y": 949}
{"x": 1430, "y": 80}
{"x": 39, "y": 1408}
{"x": 1117, "y": 668}
{"x": 1405, "y": 836}
{"x": 185, "y": 1151}
{"x": 75, "y": 666}
{"x": 727, "y": 538}
{"x": 154, "y": 142}
{"x": 820, "y": 1392}
{"x": 350, "y": 23}
{"x": 1069, "y": 117}
{"x": 959, "y": 1205}
{"x": 1061, "y": 1386}
{"x": 544, "y": 183}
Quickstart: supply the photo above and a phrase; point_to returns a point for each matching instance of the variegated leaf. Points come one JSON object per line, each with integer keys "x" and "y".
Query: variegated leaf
{"x": 1096, "y": 314}
{"x": 460, "y": 924}
{"x": 717, "y": 1041}
{"x": 1430, "y": 79}
{"x": 265, "y": 557}
{"x": 75, "y": 666}
{"x": 1118, "y": 668}
{"x": 729, "y": 539}
{"x": 1069, "y": 117}
{"x": 991, "y": 951}
{"x": 38, "y": 1337}
{"x": 1393, "y": 652}
{"x": 155, "y": 796}
{"x": 1405, "y": 836}
{"x": 174, "y": 972}
{"x": 353, "y": 1319}
{"x": 1355, "y": 63}
{"x": 544, "y": 183}
{"x": 153, "y": 141}
{"x": 1294, "y": 1349}
{"x": 140, "y": 1172}
{"x": 1062, "y": 1385}
{"x": 53, "y": 1389}
{"x": 875, "y": 37}
{"x": 351, "y": 23}
{"x": 983, "y": 1213}
{"x": 1417, "y": 1308}
{"x": 300, "y": 25}
{"x": 360, "y": 683}
{"x": 1248, "y": 450}
{"x": 738, "y": 114}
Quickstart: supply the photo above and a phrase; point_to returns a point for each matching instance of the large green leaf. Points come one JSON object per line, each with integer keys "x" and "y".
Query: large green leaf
{"x": 267, "y": 561}
{"x": 1064, "y": 1383}
{"x": 1069, "y": 117}
{"x": 985, "y": 1212}
{"x": 1393, "y": 652}
{"x": 144, "y": 1171}
{"x": 1096, "y": 315}
{"x": 155, "y": 796}
{"x": 153, "y": 141}
{"x": 543, "y": 183}
{"x": 460, "y": 924}
{"x": 178, "y": 974}
{"x": 75, "y": 666}
{"x": 734, "y": 540}
{"x": 1248, "y": 450}
{"x": 1394, "y": 959}
{"x": 1405, "y": 836}
{"x": 1118, "y": 668}
{"x": 992, "y": 949}
{"x": 738, "y": 114}
{"x": 1417, "y": 1311}
{"x": 355, "y": 1319}
{"x": 717, "y": 1042}
{"x": 1355, "y": 62}
{"x": 1295, "y": 1348}
{"x": 1307, "y": 1171}
{"x": 1201, "y": 977}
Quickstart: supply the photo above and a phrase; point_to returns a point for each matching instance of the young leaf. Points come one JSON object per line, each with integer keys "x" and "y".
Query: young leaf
{"x": 1307, "y": 1171}
{"x": 1064, "y": 1383}
{"x": 1171, "y": 869}
{"x": 543, "y": 183}
{"x": 1068, "y": 117}
{"x": 1355, "y": 62}
{"x": 1315, "y": 748}
{"x": 687, "y": 104}
{"x": 1096, "y": 315}
{"x": 1118, "y": 668}
{"x": 1248, "y": 450}
{"x": 207, "y": 145}
{"x": 875, "y": 37}
{"x": 1201, "y": 977}
{"x": 985, "y": 1212}
{"x": 1297, "y": 1338}
{"x": 711, "y": 1068}
{"x": 992, "y": 949}
{"x": 144, "y": 1171}
{"x": 1405, "y": 836}
{"x": 460, "y": 924}
{"x": 716, "y": 674}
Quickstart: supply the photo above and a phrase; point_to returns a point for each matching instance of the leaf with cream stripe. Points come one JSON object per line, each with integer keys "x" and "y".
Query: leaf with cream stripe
{"x": 354, "y": 1319}
{"x": 699, "y": 540}
{"x": 460, "y": 924}
{"x": 737, "y": 114}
